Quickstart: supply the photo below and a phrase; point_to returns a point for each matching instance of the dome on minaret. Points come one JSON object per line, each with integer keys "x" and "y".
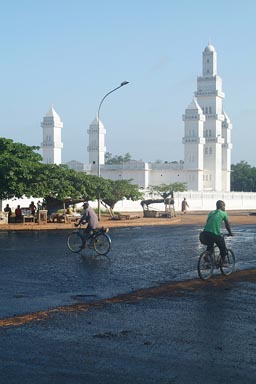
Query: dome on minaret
{"x": 52, "y": 113}
{"x": 95, "y": 122}
{"x": 209, "y": 48}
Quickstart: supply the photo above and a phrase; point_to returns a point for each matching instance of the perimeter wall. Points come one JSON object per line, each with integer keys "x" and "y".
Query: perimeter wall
{"x": 197, "y": 201}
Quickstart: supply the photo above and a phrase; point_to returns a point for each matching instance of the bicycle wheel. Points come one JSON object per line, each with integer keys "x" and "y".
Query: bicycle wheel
{"x": 101, "y": 243}
{"x": 229, "y": 266}
{"x": 75, "y": 242}
{"x": 204, "y": 266}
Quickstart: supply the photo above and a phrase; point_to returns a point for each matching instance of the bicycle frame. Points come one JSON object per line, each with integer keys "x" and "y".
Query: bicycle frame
{"x": 215, "y": 256}
{"x": 209, "y": 260}
{"x": 97, "y": 239}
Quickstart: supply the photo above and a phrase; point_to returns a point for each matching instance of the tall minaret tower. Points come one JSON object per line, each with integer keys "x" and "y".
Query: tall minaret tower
{"x": 96, "y": 147}
{"x": 210, "y": 98}
{"x": 52, "y": 144}
{"x": 207, "y": 140}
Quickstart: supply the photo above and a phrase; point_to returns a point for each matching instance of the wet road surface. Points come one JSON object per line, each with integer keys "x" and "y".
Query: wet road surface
{"x": 141, "y": 316}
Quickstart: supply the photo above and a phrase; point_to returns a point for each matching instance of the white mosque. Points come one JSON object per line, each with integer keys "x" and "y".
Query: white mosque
{"x": 207, "y": 142}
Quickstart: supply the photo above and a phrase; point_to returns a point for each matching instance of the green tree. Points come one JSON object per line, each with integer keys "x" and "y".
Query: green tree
{"x": 17, "y": 168}
{"x": 22, "y": 173}
{"x": 243, "y": 177}
{"x": 118, "y": 159}
{"x": 114, "y": 191}
{"x": 166, "y": 190}
{"x": 61, "y": 183}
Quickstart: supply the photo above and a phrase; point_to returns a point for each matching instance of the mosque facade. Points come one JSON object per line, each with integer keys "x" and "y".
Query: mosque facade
{"x": 207, "y": 142}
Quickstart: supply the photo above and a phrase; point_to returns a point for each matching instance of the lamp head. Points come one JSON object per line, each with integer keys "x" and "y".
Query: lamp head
{"x": 124, "y": 83}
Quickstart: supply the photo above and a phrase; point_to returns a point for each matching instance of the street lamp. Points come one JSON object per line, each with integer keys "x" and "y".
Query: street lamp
{"x": 98, "y": 120}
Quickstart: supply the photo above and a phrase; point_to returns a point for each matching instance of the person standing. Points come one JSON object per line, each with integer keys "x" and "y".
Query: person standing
{"x": 18, "y": 214}
{"x": 39, "y": 205}
{"x": 8, "y": 209}
{"x": 184, "y": 205}
{"x": 32, "y": 208}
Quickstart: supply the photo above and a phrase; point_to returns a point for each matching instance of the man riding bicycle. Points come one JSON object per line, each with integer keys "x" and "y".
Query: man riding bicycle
{"x": 90, "y": 217}
{"x": 212, "y": 229}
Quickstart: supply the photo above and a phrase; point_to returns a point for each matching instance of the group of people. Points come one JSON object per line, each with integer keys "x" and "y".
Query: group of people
{"x": 18, "y": 211}
{"x": 59, "y": 216}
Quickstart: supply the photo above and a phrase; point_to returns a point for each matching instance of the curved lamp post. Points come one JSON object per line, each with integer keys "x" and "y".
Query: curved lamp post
{"x": 98, "y": 120}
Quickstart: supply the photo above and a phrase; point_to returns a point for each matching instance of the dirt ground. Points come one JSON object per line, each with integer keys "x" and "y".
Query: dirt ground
{"x": 137, "y": 219}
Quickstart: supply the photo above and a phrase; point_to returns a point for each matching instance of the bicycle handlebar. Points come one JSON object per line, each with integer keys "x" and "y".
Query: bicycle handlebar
{"x": 227, "y": 235}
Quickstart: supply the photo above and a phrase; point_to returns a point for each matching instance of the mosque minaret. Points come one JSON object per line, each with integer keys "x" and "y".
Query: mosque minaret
{"x": 96, "y": 147}
{"x": 52, "y": 144}
{"x": 207, "y": 142}
{"x": 209, "y": 170}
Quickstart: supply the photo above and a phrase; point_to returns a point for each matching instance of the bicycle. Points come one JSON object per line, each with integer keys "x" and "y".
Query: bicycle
{"x": 97, "y": 239}
{"x": 209, "y": 260}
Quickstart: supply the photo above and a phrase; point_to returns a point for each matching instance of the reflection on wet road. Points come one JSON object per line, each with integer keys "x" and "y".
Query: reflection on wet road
{"x": 142, "y": 316}
{"x": 38, "y": 272}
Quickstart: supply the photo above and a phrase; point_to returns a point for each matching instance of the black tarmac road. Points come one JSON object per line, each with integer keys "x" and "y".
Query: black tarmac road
{"x": 139, "y": 316}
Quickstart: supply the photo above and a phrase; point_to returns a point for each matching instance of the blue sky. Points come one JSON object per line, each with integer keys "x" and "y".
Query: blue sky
{"x": 71, "y": 53}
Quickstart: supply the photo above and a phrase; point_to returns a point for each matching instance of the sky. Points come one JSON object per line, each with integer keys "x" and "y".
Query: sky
{"x": 69, "y": 54}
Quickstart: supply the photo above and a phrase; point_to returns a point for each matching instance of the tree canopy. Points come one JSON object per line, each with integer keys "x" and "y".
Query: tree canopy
{"x": 17, "y": 168}
{"x": 166, "y": 190}
{"x": 243, "y": 177}
{"x": 117, "y": 159}
{"x": 117, "y": 190}
{"x": 22, "y": 173}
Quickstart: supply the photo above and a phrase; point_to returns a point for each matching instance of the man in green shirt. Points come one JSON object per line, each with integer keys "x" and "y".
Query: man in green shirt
{"x": 212, "y": 229}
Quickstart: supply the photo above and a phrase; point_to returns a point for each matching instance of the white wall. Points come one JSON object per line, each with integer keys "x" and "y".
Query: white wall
{"x": 197, "y": 201}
